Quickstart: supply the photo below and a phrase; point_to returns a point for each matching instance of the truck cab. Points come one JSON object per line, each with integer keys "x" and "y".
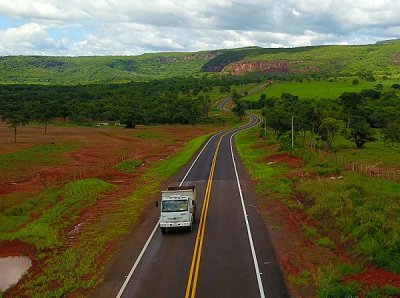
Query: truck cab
{"x": 178, "y": 208}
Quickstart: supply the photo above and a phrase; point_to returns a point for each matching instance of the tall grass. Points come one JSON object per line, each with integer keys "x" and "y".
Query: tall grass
{"x": 268, "y": 177}
{"x": 62, "y": 207}
{"x": 366, "y": 212}
{"x": 20, "y": 208}
{"x": 128, "y": 166}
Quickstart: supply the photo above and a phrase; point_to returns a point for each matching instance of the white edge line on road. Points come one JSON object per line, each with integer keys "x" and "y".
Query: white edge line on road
{"x": 253, "y": 251}
{"x": 121, "y": 291}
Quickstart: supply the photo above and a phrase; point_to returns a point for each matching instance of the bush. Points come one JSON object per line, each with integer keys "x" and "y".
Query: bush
{"x": 129, "y": 166}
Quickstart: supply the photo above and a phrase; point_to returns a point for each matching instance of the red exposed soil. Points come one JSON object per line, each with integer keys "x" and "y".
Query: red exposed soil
{"x": 241, "y": 67}
{"x": 292, "y": 161}
{"x": 372, "y": 276}
{"x": 98, "y": 150}
{"x": 16, "y": 248}
{"x": 277, "y": 66}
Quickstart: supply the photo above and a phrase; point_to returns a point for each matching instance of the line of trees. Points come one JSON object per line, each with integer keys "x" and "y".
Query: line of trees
{"x": 353, "y": 114}
{"x": 176, "y": 100}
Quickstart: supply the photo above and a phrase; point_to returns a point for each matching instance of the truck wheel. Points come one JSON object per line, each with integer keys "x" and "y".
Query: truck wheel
{"x": 190, "y": 228}
{"x": 163, "y": 230}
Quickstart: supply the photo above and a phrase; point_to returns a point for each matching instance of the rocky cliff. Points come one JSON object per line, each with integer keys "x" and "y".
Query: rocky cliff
{"x": 277, "y": 66}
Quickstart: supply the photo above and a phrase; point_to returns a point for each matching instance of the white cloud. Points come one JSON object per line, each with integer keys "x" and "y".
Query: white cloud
{"x": 133, "y": 27}
{"x": 29, "y": 38}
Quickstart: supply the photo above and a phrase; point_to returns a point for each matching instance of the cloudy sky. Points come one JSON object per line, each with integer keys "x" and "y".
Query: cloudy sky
{"x": 131, "y": 27}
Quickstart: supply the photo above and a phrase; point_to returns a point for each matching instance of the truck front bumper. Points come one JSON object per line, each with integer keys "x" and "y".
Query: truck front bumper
{"x": 175, "y": 224}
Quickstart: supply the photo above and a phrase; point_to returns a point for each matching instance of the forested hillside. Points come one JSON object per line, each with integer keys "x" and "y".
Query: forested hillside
{"x": 379, "y": 59}
{"x": 101, "y": 69}
{"x": 315, "y": 61}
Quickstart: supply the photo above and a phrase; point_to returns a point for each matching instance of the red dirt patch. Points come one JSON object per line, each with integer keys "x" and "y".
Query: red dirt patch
{"x": 292, "y": 161}
{"x": 98, "y": 151}
{"x": 16, "y": 248}
{"x": 373, "y": 276}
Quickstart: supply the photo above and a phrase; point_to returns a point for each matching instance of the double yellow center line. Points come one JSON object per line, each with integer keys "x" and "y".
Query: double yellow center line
{"x": 195, "y": 265}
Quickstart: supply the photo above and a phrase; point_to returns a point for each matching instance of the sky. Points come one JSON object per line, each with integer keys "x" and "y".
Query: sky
{"x": 133, "y": 27}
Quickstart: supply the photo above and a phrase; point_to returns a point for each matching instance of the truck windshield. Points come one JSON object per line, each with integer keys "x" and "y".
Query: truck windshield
{"x": 174, "y": 206}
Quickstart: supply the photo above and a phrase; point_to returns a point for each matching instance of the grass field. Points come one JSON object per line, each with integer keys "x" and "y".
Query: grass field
{"x": 357, "y": 212}
{"x": 68, "y": 268}
{"x": 17, "y": 162}
{"x": 73, "y": 192}
{"x": 322, "y": 89}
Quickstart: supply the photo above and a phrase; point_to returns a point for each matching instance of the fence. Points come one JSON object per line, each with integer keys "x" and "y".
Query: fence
{"x": 371, "y": 170}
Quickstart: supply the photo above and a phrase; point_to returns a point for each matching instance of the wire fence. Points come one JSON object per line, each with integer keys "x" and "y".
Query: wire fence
{"x": 370, "y": 170}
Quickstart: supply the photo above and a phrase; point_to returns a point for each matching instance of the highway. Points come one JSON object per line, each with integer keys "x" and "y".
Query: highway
{"x": 229, "y": 252}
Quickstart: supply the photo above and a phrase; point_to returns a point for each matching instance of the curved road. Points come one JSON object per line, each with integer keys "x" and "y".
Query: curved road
{"x": 235, "y": 254}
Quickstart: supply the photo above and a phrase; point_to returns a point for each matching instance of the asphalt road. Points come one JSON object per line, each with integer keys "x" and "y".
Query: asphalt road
{"x": 234, "y": 261}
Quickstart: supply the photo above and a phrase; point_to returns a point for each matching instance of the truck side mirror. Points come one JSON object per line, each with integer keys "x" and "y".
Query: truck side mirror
{"x": 156, "y": 204}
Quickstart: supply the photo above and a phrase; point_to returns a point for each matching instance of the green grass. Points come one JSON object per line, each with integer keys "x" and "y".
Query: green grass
{"x": 268, "y": 177}
{"x": 330, "y": 285}
{"x": 148, "y": 134}
{"x": 15, "y": 163}
{"x": 76, "y": 268}
{"x": 129, "y": 166}
{"x": 360, "y": 211}
{"x": 19, "y": 208}
{"x": 63, "y": 205}
{"x": 321, "y": 89}
{"x": 304, "y": 278}
{"x": 372, "y": 229}
{"x": 375, "y": 153}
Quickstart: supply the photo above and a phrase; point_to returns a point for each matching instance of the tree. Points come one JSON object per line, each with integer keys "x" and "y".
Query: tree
{"x": 205, "y": 105}
{"x": 329, "y": 128}
{"x": 396, "y": 86}
{"x": 361, "y": 133}
{"x": 278, "y": 119}
{"x": 130, "y": 117}
{"x": 14, "y": 116}
{"x": 370, "y": 93}
{"x": 355, "y": 82}
{"x": 379, "y": 87}
{"x": 350, "y": 101}
{"x": 392, "y": 132}
{"x": 45, "y": 111}
{"x": 238, "y": 109}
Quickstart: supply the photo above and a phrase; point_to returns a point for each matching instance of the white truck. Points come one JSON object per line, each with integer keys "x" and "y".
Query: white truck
{"x": 178, "y": 208}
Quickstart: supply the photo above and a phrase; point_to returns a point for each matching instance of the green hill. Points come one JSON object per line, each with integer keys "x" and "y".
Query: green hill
{"x": 99, "y": 69}
{"x": 378, "y": 59}
{"x": 382, "y": 58}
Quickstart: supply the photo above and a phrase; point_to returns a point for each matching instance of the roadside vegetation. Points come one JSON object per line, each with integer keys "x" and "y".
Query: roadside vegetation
{"x": 354, "y": 212}
{"x": 69, "y": 255}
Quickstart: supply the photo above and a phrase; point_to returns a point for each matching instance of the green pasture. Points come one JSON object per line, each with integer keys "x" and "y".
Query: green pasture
{"x": 318, "y": 89}
{"x": 56, "y": 208}
{"x": 15, "y": 163}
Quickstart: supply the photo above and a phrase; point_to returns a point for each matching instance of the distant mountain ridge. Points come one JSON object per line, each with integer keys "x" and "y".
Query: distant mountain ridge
{"x": 382, "y": 58}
